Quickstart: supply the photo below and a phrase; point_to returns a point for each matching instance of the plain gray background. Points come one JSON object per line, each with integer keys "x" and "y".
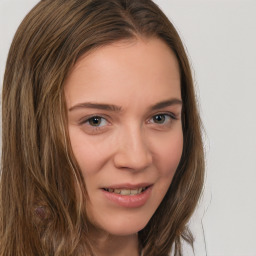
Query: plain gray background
{"x": 220, "y": 37}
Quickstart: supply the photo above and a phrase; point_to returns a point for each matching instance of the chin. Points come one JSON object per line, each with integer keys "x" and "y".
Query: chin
{"x": 126, "y": 229}
{"x": 122, "y": 226}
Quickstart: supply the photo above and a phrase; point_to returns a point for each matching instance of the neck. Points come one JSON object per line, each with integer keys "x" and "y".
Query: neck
{"x": 106, "y": 244}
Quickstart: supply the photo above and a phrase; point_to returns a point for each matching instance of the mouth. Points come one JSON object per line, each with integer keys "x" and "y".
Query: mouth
{"x": 127, "y": 195}
{"x": 126, "y": 191}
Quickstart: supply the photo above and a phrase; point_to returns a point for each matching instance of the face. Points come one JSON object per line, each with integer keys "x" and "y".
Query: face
{"x": 124, "y": 119}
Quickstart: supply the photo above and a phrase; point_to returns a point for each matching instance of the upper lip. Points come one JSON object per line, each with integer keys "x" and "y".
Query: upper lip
{"x": 129, "y": 186}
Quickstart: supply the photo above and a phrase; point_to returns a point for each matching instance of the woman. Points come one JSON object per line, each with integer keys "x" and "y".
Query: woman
{"x": 102, "y": 150}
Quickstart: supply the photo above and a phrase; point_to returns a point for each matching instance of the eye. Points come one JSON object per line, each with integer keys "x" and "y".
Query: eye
{"x": 161, "y": 119}
{"x": 96, "y": 121}
{"x": 94, "y": 124}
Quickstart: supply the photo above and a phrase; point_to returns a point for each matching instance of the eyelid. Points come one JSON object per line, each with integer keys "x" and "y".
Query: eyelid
{"x": 168, "y": 122}
{"x": 166, "y": 113}
{"x": 93, "y": 130}
{"x": 85, "y": 119}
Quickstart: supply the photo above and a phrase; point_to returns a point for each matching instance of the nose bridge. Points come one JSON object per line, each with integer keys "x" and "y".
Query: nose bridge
{"x": 133, "y": 150}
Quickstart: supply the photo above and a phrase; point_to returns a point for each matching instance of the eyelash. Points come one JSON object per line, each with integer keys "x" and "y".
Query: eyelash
{"x": 96, "y": 129}
{"x": 169, "y": 115}
{"x": 93, "y": 129}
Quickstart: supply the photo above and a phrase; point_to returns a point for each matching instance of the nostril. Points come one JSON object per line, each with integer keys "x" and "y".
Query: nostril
{"x": 132, "y": 151}
{"x": 132, "y": 160}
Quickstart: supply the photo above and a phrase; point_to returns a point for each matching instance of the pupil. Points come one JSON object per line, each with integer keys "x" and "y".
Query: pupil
{"x": 95, "y": 121}
{"x": 159, "y": 119}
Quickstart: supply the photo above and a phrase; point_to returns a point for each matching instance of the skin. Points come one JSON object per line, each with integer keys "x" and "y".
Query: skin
{"x": 137, "y": 141}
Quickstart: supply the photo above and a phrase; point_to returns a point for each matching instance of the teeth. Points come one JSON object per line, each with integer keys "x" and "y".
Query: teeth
{"x": 125, "y": 192}
{"x": 134, "y": 192}
{"x": 117, "y": 191}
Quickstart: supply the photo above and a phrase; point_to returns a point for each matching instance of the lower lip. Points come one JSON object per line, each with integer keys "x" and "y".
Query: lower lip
{"x": 130, "y": 201}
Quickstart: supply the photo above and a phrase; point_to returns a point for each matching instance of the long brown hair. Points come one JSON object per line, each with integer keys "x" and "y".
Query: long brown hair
{"x": 41, "y": 212}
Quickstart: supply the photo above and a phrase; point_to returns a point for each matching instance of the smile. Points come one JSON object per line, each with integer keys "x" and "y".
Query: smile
{"x": 128, "y": 196}
{"x": 125, "y": 191}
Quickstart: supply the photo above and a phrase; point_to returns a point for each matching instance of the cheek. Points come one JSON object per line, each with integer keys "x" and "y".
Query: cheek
{"x": 167, "y": 160}
{"x": 90, "y": 154}
{"x": 168, "y": 154}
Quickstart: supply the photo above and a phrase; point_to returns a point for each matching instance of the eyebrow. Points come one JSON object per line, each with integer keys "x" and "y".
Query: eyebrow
{"x": 109, "y": 107}
{"x": 116, "y": 108}
{"x": 166, "y": 103}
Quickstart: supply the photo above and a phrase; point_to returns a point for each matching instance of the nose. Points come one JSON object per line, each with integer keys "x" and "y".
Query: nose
{"x": 132, "y": 150}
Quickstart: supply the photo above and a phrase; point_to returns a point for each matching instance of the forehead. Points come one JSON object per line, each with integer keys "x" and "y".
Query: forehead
{"x": 148, "y": 51}
{"x": 134, "y": 68}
